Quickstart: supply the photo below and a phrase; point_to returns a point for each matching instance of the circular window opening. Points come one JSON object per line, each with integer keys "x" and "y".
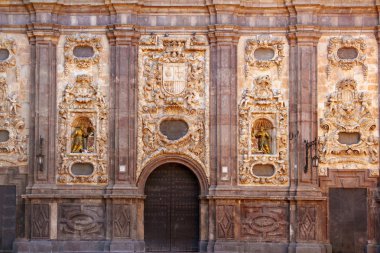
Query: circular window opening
{"x": 4, "y": 54}
{"x": 174, "y": 129}
{"x": 263, "y": 170}
{"x": 349, "y": 138}
{"x": 83, "y": 51}
{"x": 4, "y": 135}
{"x": 82, "y": 169}
{"x": 347, "y": 53}
{"x": 263, "y": 53}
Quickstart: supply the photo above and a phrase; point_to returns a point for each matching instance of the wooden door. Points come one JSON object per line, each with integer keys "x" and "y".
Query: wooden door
{"x": 171, "y": 217}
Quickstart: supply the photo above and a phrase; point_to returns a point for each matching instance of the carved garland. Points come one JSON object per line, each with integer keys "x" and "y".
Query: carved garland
{"x": 356, "y": 56}
{"x": 12, "y": 126}
{"x": 82, "y": 40}
{"x": 82, "y": 132}
{"x": 173, "y": 87}
{"x": 263, "y": 124}
{"x": 348, "y": 139}
{"x": 274, "y": 48}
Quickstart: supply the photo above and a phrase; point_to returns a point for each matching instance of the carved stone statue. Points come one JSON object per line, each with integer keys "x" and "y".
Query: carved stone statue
{"x": 263, "y": 140}
{"x": 77, "y": 140}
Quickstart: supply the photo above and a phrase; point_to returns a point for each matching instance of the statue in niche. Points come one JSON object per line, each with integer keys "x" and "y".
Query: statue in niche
{"x": 83, "y": 137}
{"x": 263, "y": 141}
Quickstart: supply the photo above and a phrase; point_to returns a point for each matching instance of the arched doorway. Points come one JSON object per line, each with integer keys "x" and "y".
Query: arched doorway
{"x": 171, "y": 216}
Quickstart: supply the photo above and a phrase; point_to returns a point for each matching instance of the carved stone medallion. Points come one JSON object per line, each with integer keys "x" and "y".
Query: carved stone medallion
{"x": 173, "y": 92}
{"x": 348, "y": 140}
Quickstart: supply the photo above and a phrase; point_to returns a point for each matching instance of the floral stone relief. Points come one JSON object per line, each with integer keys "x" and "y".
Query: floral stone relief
{"x": 173, "y": 97}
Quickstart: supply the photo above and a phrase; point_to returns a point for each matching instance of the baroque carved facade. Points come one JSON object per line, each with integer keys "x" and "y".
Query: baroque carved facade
{"x": 173, "y": 89}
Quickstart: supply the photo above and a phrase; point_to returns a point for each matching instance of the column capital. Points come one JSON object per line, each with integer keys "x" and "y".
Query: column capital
{"x": 304, "y": 35}
{"x": 122, "y": 34}
{"x": 43, "y": 33}
{"x": 225, "y": 34}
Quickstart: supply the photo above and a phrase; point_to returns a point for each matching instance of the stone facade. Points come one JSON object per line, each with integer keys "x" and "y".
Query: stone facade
{"x": 89, "y": 89}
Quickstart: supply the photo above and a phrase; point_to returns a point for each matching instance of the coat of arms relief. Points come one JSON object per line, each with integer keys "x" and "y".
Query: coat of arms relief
{"x": 173, "y": 98}
{"x": 263, "y": 114}
{"x": 83, "y": 115}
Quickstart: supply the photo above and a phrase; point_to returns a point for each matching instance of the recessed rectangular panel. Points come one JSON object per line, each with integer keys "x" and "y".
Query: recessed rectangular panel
{"x": 7, "y": 216}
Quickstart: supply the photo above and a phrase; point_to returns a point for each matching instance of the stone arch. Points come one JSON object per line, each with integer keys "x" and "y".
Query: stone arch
{"x": 191, "y": 164}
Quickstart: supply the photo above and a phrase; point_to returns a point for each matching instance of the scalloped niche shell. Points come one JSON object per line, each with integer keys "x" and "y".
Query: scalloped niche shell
{"x": 82, "y": 169}
{"x": 263, "y": 170}
{"x": 174, "y": 129}
{"x": 264, "y": 53}
{"x": 4, "y": 54}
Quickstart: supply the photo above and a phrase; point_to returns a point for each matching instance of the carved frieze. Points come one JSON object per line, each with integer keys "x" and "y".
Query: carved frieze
{"x": 82, "y": 133}
{"x": 82, "y": 50}
{"x": 263, "y": 53}
{"x": 261, "y": 222}
{"x": 225, "y": 221}
{"x": 173, "y": 94}
{"x": 40, "y": 221}
{"x": 263, "y": 124}
{"x": 81, "y": 222}
{"x": 348, "y": 139}
{"x": 13, "y": 141}
{"x": 345, "y": 53}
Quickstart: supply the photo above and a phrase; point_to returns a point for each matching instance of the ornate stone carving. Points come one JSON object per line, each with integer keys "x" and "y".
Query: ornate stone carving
{"x": 82, "y": 131}
{"x": 13, "y": 144}
{"x": 122, "y": 221}
{"x": 272, "y": 56}
{"x": 263, "y": 222}
{"x": 348, "y": 140}
{"x": 225, "y": 221}
{"x": 307, "y": 223}
{"x": 82, "y": 40}
{"x": 81, "y": 222}
{"x": 173, "y": 85}
{"x": 263, "y": 127}
{"x": 9, "y": 45}
{"x": 40, "y": 221}
{"x": 349, "y": 61}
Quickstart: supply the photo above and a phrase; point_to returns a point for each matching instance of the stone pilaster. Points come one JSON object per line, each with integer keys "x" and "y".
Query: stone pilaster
{"x": 43, "y": 39}
{"x": 123, "y": 121}
{"x": 223, "y": 50}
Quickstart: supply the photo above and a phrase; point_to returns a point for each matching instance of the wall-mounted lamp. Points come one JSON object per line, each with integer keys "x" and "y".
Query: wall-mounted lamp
{"x": 314, "y": 157}
{"x": 40, "y": 156}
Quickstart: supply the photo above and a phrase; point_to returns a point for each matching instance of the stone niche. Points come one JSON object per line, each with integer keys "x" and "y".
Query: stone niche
{"x": 173, "y": 95}
{"x": 262, "y": 111}
{"x": 348, "y": 103}
{"x": 14, "y": 56}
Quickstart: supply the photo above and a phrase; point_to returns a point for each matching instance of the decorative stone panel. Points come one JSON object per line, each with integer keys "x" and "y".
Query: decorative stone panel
{"x": 81, "y": 222}
{"x": 40, "y": 221}
{"x": 173, "y": 93}
{"x": 307, "y": 223}
{"x": 13, "y": 100}
{"x": 122, "y": 221}
{"x": 348, "y": 104}
{"x": 264, "y": 221}
{"x": 263, "y": 112}
{"x": 225, "y": 221}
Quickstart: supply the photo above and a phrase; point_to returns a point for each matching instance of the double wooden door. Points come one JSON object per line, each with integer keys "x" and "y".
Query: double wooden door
{"x": 171, "y": 216}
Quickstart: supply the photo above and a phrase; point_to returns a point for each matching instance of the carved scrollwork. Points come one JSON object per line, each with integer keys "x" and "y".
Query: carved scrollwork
{"x": 355, "y": 49}
{"x": 82, "y": 132}
{"x": 87, "y": 41}
{"x": 173, "y": 86}
{"x": 263, "y": 124}
{"x": 9, "y": 46}
{"x": 263, "y": 53}
{"x": 348, "y": 140}
{"x": 13, "y": 142}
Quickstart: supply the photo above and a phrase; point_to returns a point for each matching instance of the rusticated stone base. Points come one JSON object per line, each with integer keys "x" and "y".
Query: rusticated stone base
{"x": 44, "y": 246}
